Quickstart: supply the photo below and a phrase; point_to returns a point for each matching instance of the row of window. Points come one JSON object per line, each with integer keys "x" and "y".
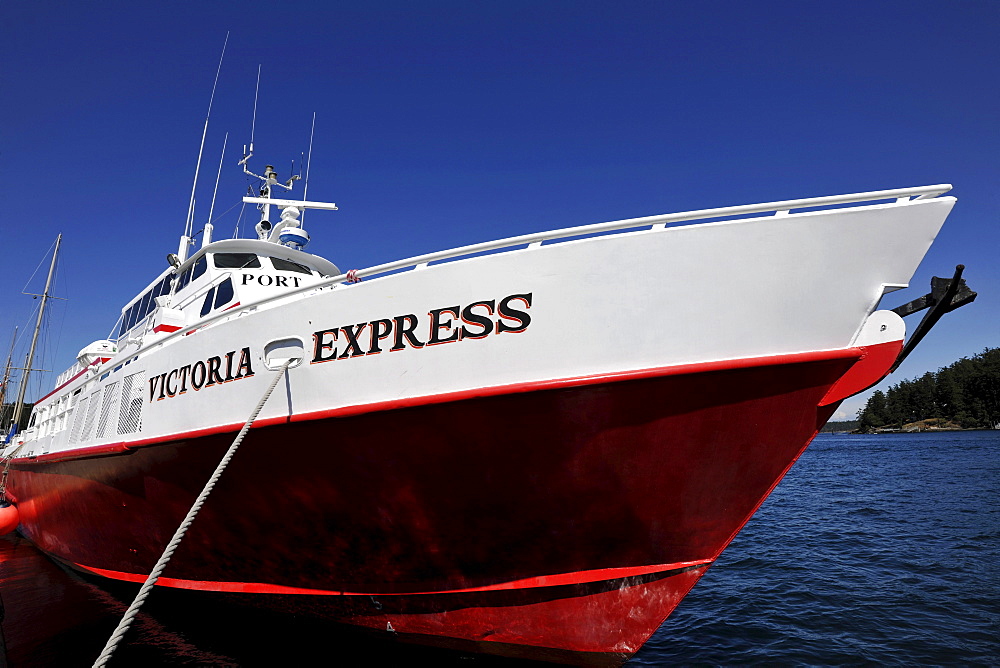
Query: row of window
{"x": 145, "y": 305}
{"x": 251, "y": 261}
{"x": 141, "y": 308}
{"x": 193, "y": 273}
{"x": 219, "y": 296}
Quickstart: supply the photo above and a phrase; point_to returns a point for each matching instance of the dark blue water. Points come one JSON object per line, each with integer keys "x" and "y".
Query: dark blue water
{"x": 873, "y": 550}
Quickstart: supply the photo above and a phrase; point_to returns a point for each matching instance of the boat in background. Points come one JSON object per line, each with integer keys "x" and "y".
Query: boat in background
{"x": 531, "y": 447}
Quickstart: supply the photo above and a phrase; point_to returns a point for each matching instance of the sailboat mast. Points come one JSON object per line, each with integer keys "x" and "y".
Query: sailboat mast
{"x": 19, "y": 405}
{"x": 6, "y": 370}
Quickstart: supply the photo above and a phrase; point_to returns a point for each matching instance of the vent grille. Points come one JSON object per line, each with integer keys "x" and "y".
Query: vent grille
{"x": 130, "y": 420}
{"x": 88, "y": 425}
{"x": 80, "y": 413}
{"x": 109, "y": 407}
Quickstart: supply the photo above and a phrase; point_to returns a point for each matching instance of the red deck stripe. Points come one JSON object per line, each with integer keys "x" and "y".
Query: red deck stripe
{"x": 578, "y": 577}
{"x": 78, "y": 453}
{"x": 580, "y": 381}
{"x": 515, "y": 388}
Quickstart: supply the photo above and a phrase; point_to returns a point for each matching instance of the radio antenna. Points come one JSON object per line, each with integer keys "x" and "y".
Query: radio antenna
{"x": 253, "y": 126}
{"x": 305, "y": 190}
{"x": 253, "y": 122}
{"x": 207, "y": 239}
{"x": 186, "y": 239}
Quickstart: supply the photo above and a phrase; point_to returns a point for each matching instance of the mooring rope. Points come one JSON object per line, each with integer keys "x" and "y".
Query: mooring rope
{"x": 6, "y": 469}
{"x": 161, "y": 564}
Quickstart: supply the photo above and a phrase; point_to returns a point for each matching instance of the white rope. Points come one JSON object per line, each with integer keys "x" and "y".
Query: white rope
{"x": 161, "y": 564}
{"x": 6, "y": 468}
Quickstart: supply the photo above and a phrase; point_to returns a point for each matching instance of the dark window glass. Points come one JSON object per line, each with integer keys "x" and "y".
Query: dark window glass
{"x": 147, "y": 305}
{"x": 164, "y": 287}
{"x": 140, "y": 311}
{"x": 132, "y": 313}
{"x": 125, "y": 319}
{"x": 288, "y": 265}
{"x": 236, "y": 261}
{"x": 207, "y": 306}
{"x": 182, "y": 282}
{"x": 224, "y": 293}
{"x": 199, "y": 268}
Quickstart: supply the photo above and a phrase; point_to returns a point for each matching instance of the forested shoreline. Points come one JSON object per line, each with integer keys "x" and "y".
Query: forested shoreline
{"x": 963, "y": 395}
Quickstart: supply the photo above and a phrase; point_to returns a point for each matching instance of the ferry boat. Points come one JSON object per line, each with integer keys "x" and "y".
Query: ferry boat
{"x": 531, "y": 447}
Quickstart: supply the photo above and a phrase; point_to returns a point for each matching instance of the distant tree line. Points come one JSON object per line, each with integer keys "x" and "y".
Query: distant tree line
{"x": 7, "y": 416}
{"x": 966, "y": 393}
{"x": 843, "y": 425}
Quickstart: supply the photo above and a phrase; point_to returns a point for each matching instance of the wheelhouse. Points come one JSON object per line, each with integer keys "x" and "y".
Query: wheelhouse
{"x": 222, "y": 275}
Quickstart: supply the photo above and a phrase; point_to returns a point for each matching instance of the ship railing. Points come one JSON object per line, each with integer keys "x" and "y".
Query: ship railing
{"x": 68, "y": 373}
{"x": 899, "y": 196}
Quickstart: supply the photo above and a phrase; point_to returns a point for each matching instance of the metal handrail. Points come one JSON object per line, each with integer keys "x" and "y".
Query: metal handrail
{"x": 596, "y": 228}
{"x": 901, "y": 195}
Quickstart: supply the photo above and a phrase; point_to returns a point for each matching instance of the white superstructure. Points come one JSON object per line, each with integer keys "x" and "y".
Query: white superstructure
{"x": 701, "y": 286}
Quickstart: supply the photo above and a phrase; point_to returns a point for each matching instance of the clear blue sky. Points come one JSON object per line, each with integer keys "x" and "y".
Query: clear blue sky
{"x": 445, "y": 123}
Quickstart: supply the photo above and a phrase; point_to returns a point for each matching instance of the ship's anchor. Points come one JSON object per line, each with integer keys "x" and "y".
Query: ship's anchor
{"x": 946, "y": 295}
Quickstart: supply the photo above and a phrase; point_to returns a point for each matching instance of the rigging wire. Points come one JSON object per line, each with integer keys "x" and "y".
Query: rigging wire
{"x": 253, "y": 122}
{"x": 221, "y": 215}
{"x": 40, "y": 262}
{"x": 18, "y": 372}
{"x": 239, "y": 221}
{"x": 46, "y": 346}
{"x": 305, "y": 189}
{"x": 49, "y": 347}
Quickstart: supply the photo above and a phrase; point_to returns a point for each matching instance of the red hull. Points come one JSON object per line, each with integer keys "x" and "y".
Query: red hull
{"x": 561, "y": 523}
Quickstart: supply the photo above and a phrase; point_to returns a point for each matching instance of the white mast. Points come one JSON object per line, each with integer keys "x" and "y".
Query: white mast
{"x": 19, "y": 404}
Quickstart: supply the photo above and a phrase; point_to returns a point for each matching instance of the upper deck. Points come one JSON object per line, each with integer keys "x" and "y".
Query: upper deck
{"x": 220, "y": 275}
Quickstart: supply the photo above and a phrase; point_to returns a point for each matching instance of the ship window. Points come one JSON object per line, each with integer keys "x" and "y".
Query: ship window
{"x": 207, "y": 306}
{"x": 163, "y": 287}
{"x": 144, "y": 309}
{"x": 224, "y": 293}
{"x": 236, "y": 261}
{"x": 125, "y": 318}
{"x": 199, "y": 268}
{"x": 182, "y": 282}
{"x": 288, "y": 265}
{"x": 133, "y": 315}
